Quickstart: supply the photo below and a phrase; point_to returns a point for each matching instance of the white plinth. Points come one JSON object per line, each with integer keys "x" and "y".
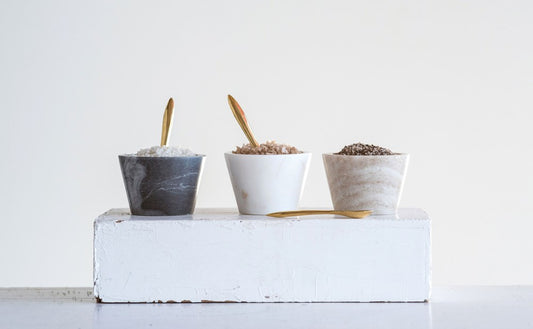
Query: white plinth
{"x": 218, "y": 255}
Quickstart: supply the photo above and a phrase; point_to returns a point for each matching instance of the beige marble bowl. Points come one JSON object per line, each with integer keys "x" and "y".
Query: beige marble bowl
{"x": 366, "y": 182}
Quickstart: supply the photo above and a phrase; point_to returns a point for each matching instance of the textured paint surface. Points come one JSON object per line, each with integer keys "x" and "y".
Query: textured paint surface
{"x": 366, "y": 182}
{"x": 159, "y": 186}
{"x": 223, "y": 256}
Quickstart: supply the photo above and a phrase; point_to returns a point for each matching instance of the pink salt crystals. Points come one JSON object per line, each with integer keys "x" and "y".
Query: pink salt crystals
{"x": 270, "y": 147}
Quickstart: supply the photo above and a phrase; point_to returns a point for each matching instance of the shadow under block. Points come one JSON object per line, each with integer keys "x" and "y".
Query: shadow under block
{"x": 219, "y": 256}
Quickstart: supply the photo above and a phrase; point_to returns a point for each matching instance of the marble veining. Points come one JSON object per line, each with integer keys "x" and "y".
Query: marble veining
{"x": 366, "y": 182}
{"x": 161, "y": 186}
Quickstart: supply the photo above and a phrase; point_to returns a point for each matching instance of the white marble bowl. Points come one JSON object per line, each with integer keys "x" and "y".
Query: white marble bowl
{"x": 366, "y": 182}
{"x": 267, "y": 183}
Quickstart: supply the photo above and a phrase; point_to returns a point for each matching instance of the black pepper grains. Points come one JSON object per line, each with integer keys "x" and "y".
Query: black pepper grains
{"x": 364, "y": 149}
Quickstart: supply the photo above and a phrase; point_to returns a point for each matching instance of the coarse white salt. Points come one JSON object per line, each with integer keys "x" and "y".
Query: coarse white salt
{"x": 165, "y": 151}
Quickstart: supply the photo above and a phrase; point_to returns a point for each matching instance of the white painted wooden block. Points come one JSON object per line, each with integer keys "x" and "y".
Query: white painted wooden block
{"x": 218, "y": 255}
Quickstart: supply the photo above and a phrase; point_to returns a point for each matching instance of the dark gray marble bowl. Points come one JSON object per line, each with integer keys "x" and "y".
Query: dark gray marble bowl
{"x": 161, "y": 186}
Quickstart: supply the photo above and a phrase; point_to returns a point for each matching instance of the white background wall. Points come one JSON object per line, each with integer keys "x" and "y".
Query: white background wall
{"x": 449, "y": 82}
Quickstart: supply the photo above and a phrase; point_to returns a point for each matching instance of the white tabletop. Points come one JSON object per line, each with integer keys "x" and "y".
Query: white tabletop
{"x": 450, "y": 307}
{"x": 123, "y": 214}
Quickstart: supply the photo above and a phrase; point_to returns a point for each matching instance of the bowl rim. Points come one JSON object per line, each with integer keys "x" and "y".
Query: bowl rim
{"x": 131, "y": 155}
{"x": 366, "y": 156}
{"x": 266, "y": 155}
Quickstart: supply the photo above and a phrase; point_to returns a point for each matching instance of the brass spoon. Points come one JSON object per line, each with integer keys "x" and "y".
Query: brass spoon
{"x": 167, "y": 122}
{"x": 241, "y": 119}
{"x": 346, "y": 213}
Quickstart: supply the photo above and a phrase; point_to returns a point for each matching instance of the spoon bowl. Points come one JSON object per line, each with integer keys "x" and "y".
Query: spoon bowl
{"x": 167, "y": 122}
{"x": 238, "y": 113}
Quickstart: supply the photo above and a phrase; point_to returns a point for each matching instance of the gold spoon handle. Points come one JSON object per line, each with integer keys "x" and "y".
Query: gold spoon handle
{"x": 347, "y": 213}
{"x": 241, "y": 119}
{"x": 167, "y": 122}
